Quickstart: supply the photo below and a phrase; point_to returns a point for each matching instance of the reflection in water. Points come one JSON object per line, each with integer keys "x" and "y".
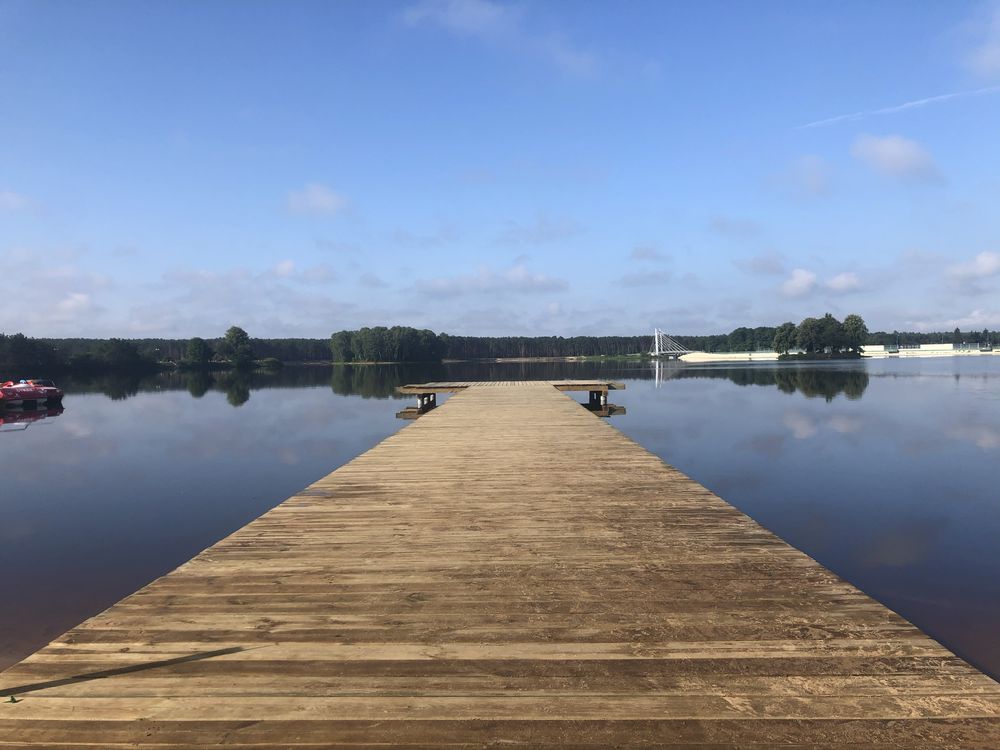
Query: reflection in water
{"x": 198, "y": 382}
{"x": 380, "y": 381}
{"x": 803, "y": 426}
{"x": 811, "y": 382}
{"x": 12, "y": 420}
{"x": 236, "y": 386}
{"x": 895, "y": 492}
{"x": 909, "y": 543}
{"x": 117, "y": 387}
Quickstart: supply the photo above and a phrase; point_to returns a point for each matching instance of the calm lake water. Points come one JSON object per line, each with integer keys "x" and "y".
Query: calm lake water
{"x": 885, "y": 471}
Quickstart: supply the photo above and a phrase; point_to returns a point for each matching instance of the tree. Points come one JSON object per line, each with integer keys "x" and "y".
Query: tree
{"x": 235, "y": 346}
{"x": 341, "y": 347}
{"x": 198, "y": 352}
{"x": 119, "y": 354}
{"x": 25, "y": 356}
{"x": 855, "y": 332}
{"x": 808, "y": 334}
{"x": 784, "y": 338}
{"x": 741, "y": 340}
{"x": 831, "y": 333}
{"x": 956, "y": 337}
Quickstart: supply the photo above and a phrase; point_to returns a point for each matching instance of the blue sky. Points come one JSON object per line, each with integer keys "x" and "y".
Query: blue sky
{"x": 484, "y": 167}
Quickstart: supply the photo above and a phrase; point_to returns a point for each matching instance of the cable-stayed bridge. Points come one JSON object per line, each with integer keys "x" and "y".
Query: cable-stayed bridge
{"x": 666, "y": 347}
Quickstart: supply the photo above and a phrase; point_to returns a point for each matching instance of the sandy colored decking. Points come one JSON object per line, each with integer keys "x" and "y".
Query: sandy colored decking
{"x": 507, "y": 569}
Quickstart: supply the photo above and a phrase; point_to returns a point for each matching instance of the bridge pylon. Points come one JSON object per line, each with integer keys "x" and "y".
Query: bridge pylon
{"x": 664, "y": 346}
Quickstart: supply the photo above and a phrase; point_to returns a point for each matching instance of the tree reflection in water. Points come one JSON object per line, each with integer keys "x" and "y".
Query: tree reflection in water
{"x": 380, "y": 381}
{"x": 237, "y": 387}
{"x": 198, "y": 382}
{"x": 827, "y": 383}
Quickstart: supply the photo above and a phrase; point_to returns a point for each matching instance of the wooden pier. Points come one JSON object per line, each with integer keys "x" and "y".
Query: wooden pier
{"x": 506, "y": 570}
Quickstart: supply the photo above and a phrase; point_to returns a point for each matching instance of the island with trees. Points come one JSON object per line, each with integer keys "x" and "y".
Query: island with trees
{"x": 824, "y": 337}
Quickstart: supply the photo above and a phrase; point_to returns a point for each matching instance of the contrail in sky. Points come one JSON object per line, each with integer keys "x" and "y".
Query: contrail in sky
{"x": 899, "y": 107}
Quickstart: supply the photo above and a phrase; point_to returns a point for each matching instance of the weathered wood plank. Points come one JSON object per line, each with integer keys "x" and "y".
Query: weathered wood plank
{"x": 506, "y": 570}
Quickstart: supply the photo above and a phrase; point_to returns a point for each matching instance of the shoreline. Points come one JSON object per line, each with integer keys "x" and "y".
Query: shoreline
{"x": 708, "y": 357}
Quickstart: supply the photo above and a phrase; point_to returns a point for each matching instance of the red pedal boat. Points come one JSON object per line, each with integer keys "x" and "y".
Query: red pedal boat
{"x": 28, "y": 392}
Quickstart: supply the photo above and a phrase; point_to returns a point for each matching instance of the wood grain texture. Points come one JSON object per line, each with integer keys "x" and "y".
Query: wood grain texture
{"x": 508, "y": 569}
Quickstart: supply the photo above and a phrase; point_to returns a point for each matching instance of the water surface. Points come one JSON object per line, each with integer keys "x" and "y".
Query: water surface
{"x": 885, "y": 471}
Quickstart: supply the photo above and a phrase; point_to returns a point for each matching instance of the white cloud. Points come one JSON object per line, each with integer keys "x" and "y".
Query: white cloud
{"x": 502, "y": 25}
{"x": 984, "y": 58}
{"x": 284, "y": 269}
{"x": 846, "y": 282}
{"x": 983, "y": 265}
{"x": 51, "y": 300}
{"x": 288, "y": 270}
{"x": 74, "y": 303}
{"x": 799, "y": 283}
{"x": 516, "y": 279}
{"x": 472, "y": 17}
{"x": 11, "y": 201}
{"x": 972, "y": 321}
{"x": 896, "y": 156}
{"x": 809, "y": 175}
{"x": 316, "y": 200}
{"x": 560, "y": 50}
{"x": 189, "y": 302}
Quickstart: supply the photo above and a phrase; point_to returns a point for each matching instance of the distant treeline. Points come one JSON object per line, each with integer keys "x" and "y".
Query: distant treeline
{"x": 26, "y": 356}
{"x": 957, "y": 336}
{"x": 175, "y": 350}
{"x": 21, "y": 356}
{"x": 400, "y": 344}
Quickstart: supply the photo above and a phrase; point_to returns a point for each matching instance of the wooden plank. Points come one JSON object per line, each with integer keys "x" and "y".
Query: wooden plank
{"x": 508, "y": 569}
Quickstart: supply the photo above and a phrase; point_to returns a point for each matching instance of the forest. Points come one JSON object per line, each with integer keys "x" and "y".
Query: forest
{"x": 23, "y": 356}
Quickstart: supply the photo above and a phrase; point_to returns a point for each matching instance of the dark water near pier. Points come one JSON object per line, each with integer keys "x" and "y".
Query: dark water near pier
{"x": 887, "y": 472}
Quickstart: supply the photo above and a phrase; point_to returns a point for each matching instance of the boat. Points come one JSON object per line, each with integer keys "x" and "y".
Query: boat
{"x": 30, "y": 392}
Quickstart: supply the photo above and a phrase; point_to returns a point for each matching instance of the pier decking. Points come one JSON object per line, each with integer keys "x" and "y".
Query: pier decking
{"x": 507, "y": 569}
